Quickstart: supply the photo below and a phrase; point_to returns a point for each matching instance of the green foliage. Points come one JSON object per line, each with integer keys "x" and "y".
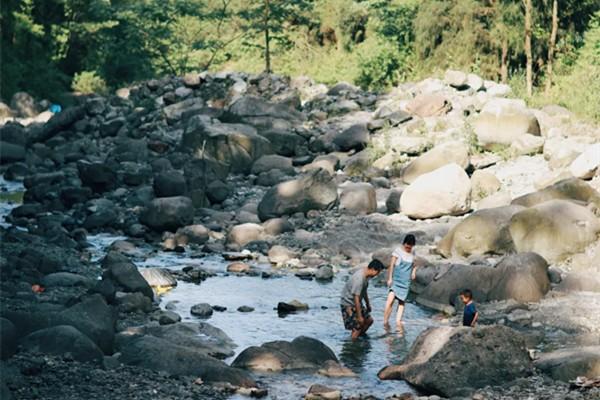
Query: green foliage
{"x": 382, "y": 69}
{"x": 88, "y": 82}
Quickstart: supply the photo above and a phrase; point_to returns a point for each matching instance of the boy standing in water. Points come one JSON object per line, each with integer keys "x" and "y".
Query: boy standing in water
{"x": 470, "y": 313}
{"x": 400, "y": 273}
{"x": 357, "y": 316}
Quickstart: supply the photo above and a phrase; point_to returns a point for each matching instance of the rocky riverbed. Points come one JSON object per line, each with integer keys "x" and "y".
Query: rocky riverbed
{"x": 189, "y": 236}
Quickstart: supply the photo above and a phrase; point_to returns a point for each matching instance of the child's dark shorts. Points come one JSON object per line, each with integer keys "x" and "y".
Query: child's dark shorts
{"x": 349, "y": 317}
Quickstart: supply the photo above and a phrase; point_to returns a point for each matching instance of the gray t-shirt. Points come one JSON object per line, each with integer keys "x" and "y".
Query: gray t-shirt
{"x": 356, "y": 285}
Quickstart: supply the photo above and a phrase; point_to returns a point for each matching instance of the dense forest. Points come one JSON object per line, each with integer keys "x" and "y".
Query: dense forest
{"x": 547, "y": 50}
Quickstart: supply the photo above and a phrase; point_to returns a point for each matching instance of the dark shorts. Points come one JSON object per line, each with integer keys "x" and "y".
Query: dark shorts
{"x": 390, "y": 290}
{"x": 349, "y": 317}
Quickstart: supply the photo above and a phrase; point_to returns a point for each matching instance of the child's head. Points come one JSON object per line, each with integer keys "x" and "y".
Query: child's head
{"x": 409, "y": 242}
{"x": 374, "y": 268}
{"x": 466, "y": 296}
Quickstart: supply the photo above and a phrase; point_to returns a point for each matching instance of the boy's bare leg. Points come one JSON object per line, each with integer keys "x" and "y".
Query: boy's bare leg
{"x": 356, "y": 333}
{"x": 388, "y": 308}
{"x": 400, "y": 312}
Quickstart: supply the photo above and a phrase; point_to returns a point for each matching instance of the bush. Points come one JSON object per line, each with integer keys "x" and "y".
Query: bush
{"x": 387, "y": 67}
{"x": 87, "y": 82}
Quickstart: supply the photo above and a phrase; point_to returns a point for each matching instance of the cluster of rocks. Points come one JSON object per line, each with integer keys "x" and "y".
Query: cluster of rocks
{"x": 302, "y": 176}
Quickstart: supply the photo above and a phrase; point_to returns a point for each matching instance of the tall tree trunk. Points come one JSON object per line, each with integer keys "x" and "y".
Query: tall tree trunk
{"x": 504, "y": 62}
{"x": 528, "y": 47}
{"x": 267, "y": 38}
{"x": 552, "y": 45}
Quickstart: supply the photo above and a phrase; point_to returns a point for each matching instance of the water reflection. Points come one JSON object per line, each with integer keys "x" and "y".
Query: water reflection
{"x": 355, "y": 353}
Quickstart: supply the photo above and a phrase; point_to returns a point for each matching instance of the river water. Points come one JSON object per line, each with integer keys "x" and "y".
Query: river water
{"x": 322, "y": 321}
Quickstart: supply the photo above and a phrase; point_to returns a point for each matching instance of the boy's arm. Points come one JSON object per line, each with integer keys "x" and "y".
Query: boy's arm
{"x": 475, "y": 318}
{"x": 359, "y": 315}
{"x": 367, "y": 302}
{"x": 391, "y": 271}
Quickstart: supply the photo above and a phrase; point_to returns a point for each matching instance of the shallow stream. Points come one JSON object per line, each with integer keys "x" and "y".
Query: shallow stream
{"x": 322, "y": 321}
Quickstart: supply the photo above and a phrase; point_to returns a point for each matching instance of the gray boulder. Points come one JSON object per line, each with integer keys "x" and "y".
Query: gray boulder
{"x": 301, "y": 353}
{"x": 169, "y": 184}
{"x": 125, "y": 274}
{"x": 96, "y": 175}
{"x": 66, "y": 279}
{"x": 568, "y": 364}
{"x": 61, "y": 340}
{"x": 355, "y": 137}
{"x": 358, "y": 199}
{"x": 168, "y": 213}
{"x": 554, "y": 229}
{"x": 441, "y": 360}
{"x": 161, "y": 355}
{"x": 502, "y": 121}
{"x": 440, "y": 155}
{"x": 202, "y": 337}
{"x": 522, "y": 277}
{"x": 11, "y": 152}
{"x": 235, "y": 145}
{"x": 202, "y": 310}
{"x": 272, "y": 162}
{"x": 8, "y": 333}
{"x": 24, "y": 104}
{"x": 483, "y": 232}
{"x": 315, "y": 191}
{"x": 566, "y": 189}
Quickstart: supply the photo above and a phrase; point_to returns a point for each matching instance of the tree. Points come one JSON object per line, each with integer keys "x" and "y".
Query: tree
{"x": 552, "y": 44}
{"x": 273, "y": 19}
{"x": 529, "y": 65}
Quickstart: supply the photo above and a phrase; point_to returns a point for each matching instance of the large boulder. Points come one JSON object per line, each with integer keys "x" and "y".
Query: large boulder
{"x": 272, "y": 162}
{"x": 58, "y": 123}
{"x": 283, "y": 142}
{"x": 442, "y": 360}
{"x": 570, "y": 363}
{"x": 521, "y": 277}
{"x": 125, "y": 274}
{"x": 502, "y": 121}
{"x": 8, "y": 333}
{"x": 168, "y": 213}
{"x": 355, "y": 137}
{"x": 483, "y": 232}
{"x": 257, "y": 111}
{"x": 440, "y": 155}
{"x": 445, "y": 191}
{"x": 241, "y": 235}
{"x": 235, "y": 145}
{"x": 61, "y": 340}
{"x": 314, "y": 191}
{"x": 554, "y": 229}
{"x": 566, "y": 189}
{"x": 98, "y": 176}
{"x": 586, "y": 165}
{"x": 169, "y": 184}
{"x": 301, "y": 353}
{"x": 428, "y": 105}
{"x": 202, "y": 337}
{"x": 11, "y": 152}
{"x": 358, "y": 199}
{"x": 158, "y": 354}
{"x": 582, "y": 281}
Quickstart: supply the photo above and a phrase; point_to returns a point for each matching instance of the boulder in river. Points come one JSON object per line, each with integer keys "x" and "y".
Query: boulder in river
{"x": 168, "y": 213}
{"x": 202, "y": 310}
{"x": 451, "y": 361}
{"x": 301, "y": 353}
{"x": 124, "y": 273}
{"x": 315, "y": 191}
{"x": 158, "y": 354}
